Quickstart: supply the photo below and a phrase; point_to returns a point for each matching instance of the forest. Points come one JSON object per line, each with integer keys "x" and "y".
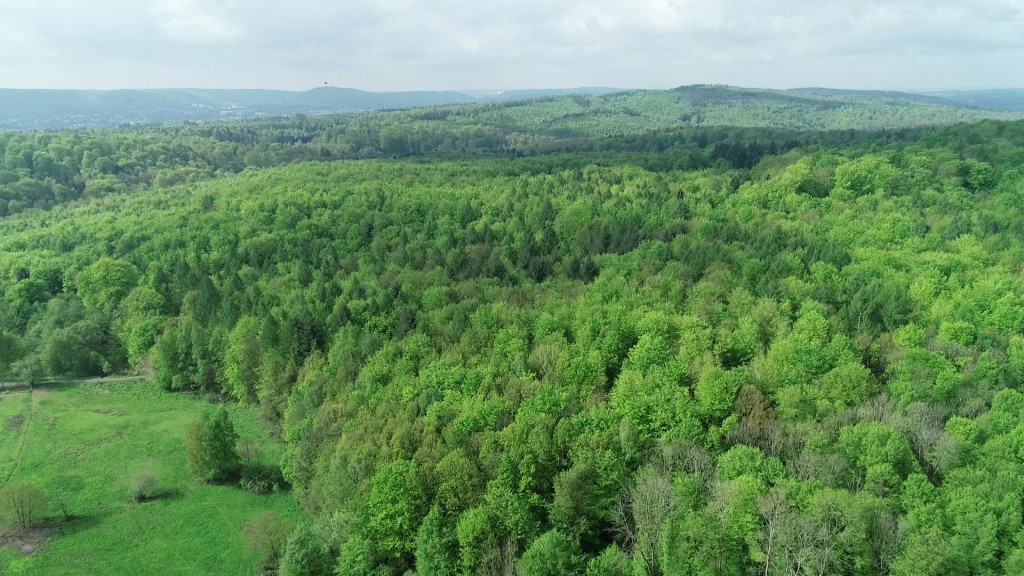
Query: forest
{"x": 42, "y": 169}
{"x": 494, "y": 348}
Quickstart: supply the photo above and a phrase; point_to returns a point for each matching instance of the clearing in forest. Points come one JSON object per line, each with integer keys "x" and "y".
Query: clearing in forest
{"x": 84, "y": 445}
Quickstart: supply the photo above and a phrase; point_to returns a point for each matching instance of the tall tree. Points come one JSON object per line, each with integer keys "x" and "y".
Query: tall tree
{"x": 210, "y": 447}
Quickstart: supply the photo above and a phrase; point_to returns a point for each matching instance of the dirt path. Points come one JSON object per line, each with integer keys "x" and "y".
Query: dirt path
{"x": 25, "y": 428}
{"x": 45, "y": 383}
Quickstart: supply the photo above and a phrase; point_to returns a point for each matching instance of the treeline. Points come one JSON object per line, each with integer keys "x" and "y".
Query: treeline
{"x": 42, "y": 169}
{"x": 810, "y": 366}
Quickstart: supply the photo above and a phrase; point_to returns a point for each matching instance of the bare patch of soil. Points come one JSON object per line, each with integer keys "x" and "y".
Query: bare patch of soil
{"x": 27, "y": 541}
{"x": 106, "y": 412}
{"x": 15, "y": 423}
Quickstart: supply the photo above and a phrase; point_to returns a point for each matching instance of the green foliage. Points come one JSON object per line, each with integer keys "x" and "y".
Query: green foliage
{"x": 184, "y": 357}
{"x": 611, "y": 562}
{"x": 104, "y": 283}
{"x": 10, "y": 351}
{"x": 866, "y": 175}
{"x": 437, "y": 546}
{"x": 242, "y": 360}
{"x": 357, "y": 559}
{"x": 258, "y": 478}
{"x": 22, "y": 504}
{"x": 871, "y": 444}
{"x": 698, "y": 543}
{"x": 45, "y": 169}
{"x": 140, "y": 317}
{"x": 459, "y": 483}
{"x": 580, "y": 508}
{"x": 305, "y": 554}
{"x": 74, "y": 350}
{"x": 397, "y": 505}
{"x": 743, "y": 460}
{"x": 550, "y": 555}
{"x": 715, "y": 393}
{"x": 144, "y": 487}
{"x": 210, "y": 447}
{"x": 268, "y": 535}
{"x": 477, "y": 538}
{"x": 722, "y": 361}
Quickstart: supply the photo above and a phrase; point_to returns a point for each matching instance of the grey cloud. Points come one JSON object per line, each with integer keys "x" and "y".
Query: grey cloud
{"x": 419, "y": 44}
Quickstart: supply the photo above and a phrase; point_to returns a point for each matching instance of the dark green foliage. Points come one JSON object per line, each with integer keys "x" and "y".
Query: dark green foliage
{"x": 74, "y": 350}
{"x": 260, "y": 478}
{"x": 10, "y": 351}
{"x": 695, "y": 127}
{"x": 581, "y": 506}
{"x": 139, "y": 321}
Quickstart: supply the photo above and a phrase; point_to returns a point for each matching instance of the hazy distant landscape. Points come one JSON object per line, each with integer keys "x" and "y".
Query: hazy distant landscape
{"x": 55, "y": 109}
{"x": 1006, "y": 99}
{"x": 58, "y": 109}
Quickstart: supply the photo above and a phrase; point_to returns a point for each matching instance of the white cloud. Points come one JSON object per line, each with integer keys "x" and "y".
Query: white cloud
{"x": 186, "y": 21}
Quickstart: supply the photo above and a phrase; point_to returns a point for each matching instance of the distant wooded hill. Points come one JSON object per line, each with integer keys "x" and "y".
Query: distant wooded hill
{"x": 559, "y": 111}
{"x": 57, "y": 109}
{"x": 1010, "y": 99}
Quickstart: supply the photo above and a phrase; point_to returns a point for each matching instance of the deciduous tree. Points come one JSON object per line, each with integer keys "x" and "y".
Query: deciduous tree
{"x": 210, "y": 447}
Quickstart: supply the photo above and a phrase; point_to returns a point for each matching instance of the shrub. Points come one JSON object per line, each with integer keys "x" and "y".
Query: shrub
{"x": 261, "y": 479}
{"x": 144, "y": 488}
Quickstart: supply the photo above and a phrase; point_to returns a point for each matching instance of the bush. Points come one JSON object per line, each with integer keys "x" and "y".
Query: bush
{"x": 144, "y": 488}
{"x": 261, "y": 479}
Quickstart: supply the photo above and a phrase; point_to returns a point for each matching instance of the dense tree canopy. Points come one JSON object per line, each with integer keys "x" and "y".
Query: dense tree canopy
{"x": 805, "y": 361}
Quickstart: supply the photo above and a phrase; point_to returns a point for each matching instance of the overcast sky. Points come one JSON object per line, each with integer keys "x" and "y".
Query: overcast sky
{"x": 492, "y": 44}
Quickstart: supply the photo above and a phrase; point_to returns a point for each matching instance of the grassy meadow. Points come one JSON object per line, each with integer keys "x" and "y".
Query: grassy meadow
{"x": 85, "y": 444}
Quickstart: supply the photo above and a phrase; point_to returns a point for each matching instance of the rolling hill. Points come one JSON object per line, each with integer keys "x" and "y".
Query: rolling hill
{"x": 570, "y": 113}
{"x": 56, "y": 109}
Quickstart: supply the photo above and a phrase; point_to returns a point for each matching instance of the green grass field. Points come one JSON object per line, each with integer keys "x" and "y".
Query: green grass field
{"x": 14, "y": 410}
{"x": 88, "y": 442}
